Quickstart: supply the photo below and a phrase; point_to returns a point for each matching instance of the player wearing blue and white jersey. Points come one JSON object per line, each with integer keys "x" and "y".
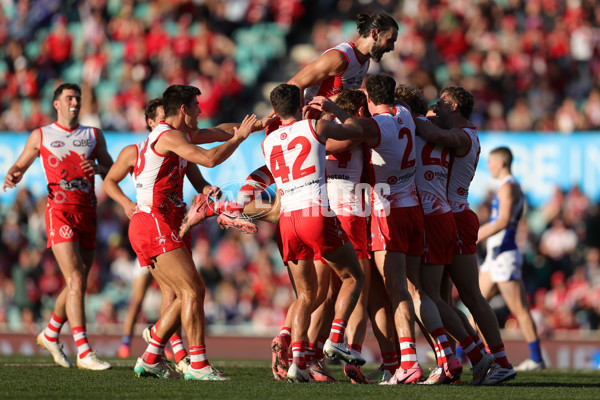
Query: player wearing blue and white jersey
{"x": 501, "y": 270}
{"x": 503, "y": 259}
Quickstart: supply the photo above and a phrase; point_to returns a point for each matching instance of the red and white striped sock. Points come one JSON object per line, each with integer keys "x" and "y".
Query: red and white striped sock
{"x": 438, "y": 356}
{"x": 52, "y": 331}
{"x": 178, "y": 347}
{"x": 390, "y": 361}
{"x": 471, "y": 350}
{"x": 500, "y": 355}
{"x": 319, "y": 349}
{"x": 443, "y": 347}
{"x": 81, "y": 341}
{"x": 309, "y": 352}
{"x": 479, "y": 343}
{"x": 255, "y": 184}
{"x": 338, "y": 328}
{"x": 218, "y": 207}
{"x": 286, "y": 334}
{"x": 408, "y": 352}
{"x": 298, "y": 355}
{"x": 356, "y": 347}
{"x": 198, "y": 359}
{"x": 153, "y": 353}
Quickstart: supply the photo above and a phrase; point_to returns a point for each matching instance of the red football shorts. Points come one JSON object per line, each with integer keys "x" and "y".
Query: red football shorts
{"x": 467, "y": 226}
{"x": 401, "y": 230}
{"x": 308, "y": 237}
{"x": 66, "y": 226}
{"x": 440, "y": 239}
{"x": 150, "y": 235}
{"x": 356, "y": 229}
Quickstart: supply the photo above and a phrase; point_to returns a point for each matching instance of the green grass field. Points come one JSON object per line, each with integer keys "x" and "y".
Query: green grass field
{"x": 36, "y": 377}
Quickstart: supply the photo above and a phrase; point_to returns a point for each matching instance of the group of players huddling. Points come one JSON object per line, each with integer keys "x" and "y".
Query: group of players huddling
{"x": 372, "y": 215}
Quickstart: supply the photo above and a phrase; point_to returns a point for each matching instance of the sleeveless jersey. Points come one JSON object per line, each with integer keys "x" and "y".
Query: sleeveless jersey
{"x": 351, "y": 78}
{"x": 505, "y": 239}
{"x": 462, "y": 171}
{"x": 343, "y": 175}
{"x": 158, "y": 178}
{"x": 433, "y": 161}
{"x": 392, "y": 163}
{"x": 61, "y": 152}
{"x": 296, "y": 159}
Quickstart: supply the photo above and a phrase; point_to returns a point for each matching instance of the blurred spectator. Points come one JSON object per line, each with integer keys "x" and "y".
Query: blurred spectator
{"x": 557, "y": 243}
{"x": 13, "y": 119}
{"x": 58, "y": 44}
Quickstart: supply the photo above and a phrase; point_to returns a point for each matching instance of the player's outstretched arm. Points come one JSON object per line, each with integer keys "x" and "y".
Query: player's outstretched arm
{"x": 224, "y": 132}
{"x": 327, "y": 65}
{"x": 176, "y": 142}
{"x": 349, "y": 129}
{"x": 119, "y": 170}
{"x": 455, "y": 138}
{"x": 26, "y": 158}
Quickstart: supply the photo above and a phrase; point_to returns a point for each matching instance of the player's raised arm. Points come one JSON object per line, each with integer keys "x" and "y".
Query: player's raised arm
{"x": 176, "y": 142}
{"x": 455, "y": 138}
{"x": 349, "y": 127}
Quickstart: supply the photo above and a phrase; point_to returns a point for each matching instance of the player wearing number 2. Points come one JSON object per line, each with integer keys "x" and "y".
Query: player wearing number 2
{"x": 308, "y": 230}
{"x": 454, "y": 130}
{"x": 396, "y": 231}
{"x": 433, "y": 164}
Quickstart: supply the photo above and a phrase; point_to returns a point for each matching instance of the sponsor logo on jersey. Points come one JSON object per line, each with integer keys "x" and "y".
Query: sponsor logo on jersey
{"x": 162, "y": 240}
{"x": 82, "y": 143}
{"x": 283, "y": 136}
{"x": 66, "y": 232}
{"x": 57, "y": 143}
{"x": 429, "y": 175}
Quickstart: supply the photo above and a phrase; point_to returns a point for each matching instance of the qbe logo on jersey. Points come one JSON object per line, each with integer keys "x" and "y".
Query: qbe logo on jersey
{"x": 66, "y": 232}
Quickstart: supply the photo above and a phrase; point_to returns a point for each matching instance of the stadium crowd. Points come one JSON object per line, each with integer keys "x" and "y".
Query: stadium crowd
{"x": 531, "y": 66}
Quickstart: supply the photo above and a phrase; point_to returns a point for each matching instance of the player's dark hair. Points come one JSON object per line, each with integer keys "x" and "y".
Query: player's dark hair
{"x": 412, "y": 96}
{"x": 380, "y": 21}
{"x": 351, "y": 100}
{"x": 285, "y": 99}
{"x": 66, "y": 86}
{"x": 380, "y": 89}
{"x": 504, "y": 154}
{"x": 463, "y": 99}
{"x": 177, "y": 95}
{"x": 150, "y": 111}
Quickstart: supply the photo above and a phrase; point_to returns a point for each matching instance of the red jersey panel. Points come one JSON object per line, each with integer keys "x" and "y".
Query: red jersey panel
{"x": 62, "y": 151}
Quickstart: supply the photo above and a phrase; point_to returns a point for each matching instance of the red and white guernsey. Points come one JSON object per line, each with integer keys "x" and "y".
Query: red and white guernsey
{"x": 392, "y": 162}
{"x": 158, "y": 178}
{"x": 462, "y": 171}
{"x": 62, "y": 150}
{"x": 343, "y": 176}
{"x": 296, "y": 159}
{"x": 433, "y": 162}
{"x": 350, "y": 78}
